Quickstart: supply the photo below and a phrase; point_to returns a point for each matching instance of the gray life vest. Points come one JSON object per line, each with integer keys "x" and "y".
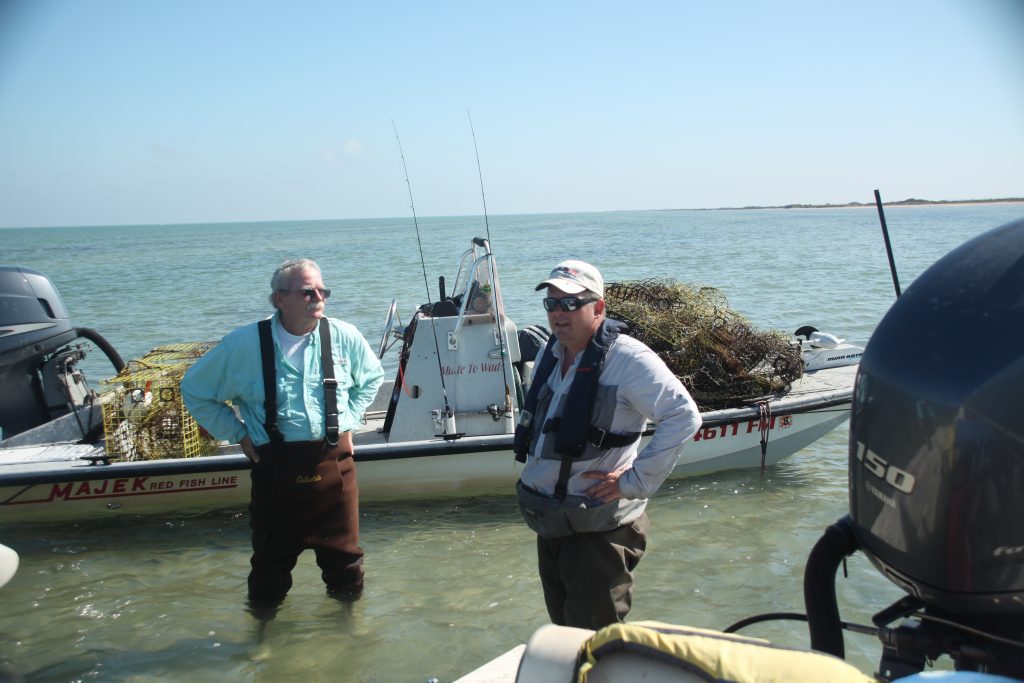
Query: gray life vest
{"x": 582, "y": 431}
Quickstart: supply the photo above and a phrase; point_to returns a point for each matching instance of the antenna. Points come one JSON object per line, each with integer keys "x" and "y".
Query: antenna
{"x": 888, "y": 247}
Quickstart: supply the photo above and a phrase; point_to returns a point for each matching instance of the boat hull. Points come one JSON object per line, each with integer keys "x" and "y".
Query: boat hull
{"x": 77, "y": 489}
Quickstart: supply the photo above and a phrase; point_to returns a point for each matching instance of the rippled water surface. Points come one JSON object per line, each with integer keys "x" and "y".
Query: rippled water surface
{"x": 450, "y": 583}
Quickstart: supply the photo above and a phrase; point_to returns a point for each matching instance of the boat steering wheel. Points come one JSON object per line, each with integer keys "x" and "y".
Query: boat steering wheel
{"x": 389, "y": 321}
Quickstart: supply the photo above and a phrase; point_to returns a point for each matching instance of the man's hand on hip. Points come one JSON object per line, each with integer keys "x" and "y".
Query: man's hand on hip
{"x": 607, "y": 487}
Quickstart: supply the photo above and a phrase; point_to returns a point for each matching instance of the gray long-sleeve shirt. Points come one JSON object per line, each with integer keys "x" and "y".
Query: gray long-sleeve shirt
{"x": 647, "y": 390}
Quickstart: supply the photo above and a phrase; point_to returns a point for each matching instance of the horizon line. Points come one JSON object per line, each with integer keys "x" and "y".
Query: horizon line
{"x": 852, "y": 205}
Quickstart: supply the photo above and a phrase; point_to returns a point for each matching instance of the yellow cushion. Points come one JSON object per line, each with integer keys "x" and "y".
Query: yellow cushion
{"x": 715, "y": 656}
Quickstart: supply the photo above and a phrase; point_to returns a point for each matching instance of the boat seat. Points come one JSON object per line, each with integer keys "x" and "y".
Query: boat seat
{"x": 532, "y": 339}
{"x": 663, "y": 653}
{"x": 442, "y": 309}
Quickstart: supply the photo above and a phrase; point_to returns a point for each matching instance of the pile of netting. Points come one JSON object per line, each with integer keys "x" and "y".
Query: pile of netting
{"x": 718, "y": 355}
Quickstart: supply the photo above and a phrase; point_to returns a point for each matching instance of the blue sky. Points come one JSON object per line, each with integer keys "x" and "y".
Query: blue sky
{"x": 185, "y": 111}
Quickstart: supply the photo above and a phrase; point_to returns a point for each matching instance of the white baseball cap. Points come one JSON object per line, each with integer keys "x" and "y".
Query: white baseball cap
{"x": 573, "y": 277}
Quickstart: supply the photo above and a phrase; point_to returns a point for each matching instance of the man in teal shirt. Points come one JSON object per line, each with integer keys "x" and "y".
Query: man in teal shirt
{"x": 304, "y": 488}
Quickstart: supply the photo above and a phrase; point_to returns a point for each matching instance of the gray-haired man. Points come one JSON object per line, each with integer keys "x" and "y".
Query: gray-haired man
{"x": 323, "y": 376}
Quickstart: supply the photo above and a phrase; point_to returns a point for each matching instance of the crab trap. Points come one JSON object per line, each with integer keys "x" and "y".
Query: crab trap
{"x": 144, "y": 417}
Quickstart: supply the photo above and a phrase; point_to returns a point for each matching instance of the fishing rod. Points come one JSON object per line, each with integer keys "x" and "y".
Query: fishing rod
{"x": 480, "y": 173}
{"x": 498, "y": 299}
{"x": 888, "y": 247}
{"x": 449, "y": 417}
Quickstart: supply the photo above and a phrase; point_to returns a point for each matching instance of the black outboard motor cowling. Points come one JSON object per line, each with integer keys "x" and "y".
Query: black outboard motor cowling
{"x": 31, "y": 311}
{"x": 33, "y": 325}
{"x": 936, "y": 464}
{"x": 936, "y": 470}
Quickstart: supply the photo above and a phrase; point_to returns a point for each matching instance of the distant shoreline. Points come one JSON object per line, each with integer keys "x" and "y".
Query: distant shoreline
{"x": 848, "y": 205}
{"x": 861, "y": 205}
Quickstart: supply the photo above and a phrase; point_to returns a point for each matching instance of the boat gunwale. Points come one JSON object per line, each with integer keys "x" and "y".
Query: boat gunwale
{"x": 48, "y": 472}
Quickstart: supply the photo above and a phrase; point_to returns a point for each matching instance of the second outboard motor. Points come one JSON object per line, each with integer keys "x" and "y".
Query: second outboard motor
{"x": 936, "y": 467}
{"x": 39, "y": 380}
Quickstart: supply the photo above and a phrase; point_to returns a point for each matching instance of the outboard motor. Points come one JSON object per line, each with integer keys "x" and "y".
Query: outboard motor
{"x": 39, "y": 380}
{"x": 936, "y": 468}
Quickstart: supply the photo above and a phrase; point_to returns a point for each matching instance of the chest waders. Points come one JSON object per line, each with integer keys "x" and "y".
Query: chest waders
{"x": 304, "y": 494}
{"x": 580, "y": 433}
{"x": 586, "y": 550}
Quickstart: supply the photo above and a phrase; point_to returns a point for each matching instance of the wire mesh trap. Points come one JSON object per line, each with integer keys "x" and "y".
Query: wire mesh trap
{"x": 718, "y": 355}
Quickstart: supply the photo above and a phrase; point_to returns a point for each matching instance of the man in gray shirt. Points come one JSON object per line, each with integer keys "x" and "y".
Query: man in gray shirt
{"x": 585, "y": 486}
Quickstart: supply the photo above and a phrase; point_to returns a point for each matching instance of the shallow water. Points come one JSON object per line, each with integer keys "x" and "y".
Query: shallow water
{"x": 450, "y": 583}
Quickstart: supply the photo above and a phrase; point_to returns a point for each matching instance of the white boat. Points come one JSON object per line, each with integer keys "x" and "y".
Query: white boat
{"x": 442, "y": 427}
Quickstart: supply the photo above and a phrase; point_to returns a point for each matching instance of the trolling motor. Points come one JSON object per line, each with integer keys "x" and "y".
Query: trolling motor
{"x": 936, "y": 469}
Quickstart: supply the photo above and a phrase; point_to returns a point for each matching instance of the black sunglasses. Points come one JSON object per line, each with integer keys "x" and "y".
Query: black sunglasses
{"x": 566, "y": 303}
{"x": 309, "y": 292}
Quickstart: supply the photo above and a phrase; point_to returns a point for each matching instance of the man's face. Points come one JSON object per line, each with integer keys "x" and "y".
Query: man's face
{"x": 574, "y": 328}
{"x": 300, "y": 313}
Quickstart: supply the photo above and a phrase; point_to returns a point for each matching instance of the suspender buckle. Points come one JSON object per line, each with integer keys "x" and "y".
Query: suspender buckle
{"x": 597, "y": 436}
{"x": 330, "y": 382}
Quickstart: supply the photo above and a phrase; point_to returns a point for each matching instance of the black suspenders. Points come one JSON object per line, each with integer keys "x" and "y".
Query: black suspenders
{"x": 270, "y": 384}
{"x": 330, "y": 385}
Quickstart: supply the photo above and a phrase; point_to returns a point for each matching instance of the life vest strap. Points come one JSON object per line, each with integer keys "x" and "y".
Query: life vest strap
{"x": 597, "y": 437}
{"x": 604, "y": 440}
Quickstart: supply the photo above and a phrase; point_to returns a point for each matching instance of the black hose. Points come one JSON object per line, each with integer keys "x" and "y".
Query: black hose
{"x": 772, "y": 616}
{"x": 820, "y": 586}
{"x": 795, "y": 616}
{"x": 105, "y": 346}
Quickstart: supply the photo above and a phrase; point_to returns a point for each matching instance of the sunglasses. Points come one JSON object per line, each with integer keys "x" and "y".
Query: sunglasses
{"x": 309, "y": 292}
{"x": 566, "y": 303}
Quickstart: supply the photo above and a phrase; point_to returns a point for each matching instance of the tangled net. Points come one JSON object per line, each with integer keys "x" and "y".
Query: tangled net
{"x": 717, "y": 354}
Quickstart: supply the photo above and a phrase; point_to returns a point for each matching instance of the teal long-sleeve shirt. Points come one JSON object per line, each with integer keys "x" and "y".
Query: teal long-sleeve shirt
{"x": 232, "y": 371}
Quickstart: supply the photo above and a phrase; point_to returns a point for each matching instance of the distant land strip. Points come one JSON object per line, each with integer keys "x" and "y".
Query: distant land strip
{"x": 904, "y": 202}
